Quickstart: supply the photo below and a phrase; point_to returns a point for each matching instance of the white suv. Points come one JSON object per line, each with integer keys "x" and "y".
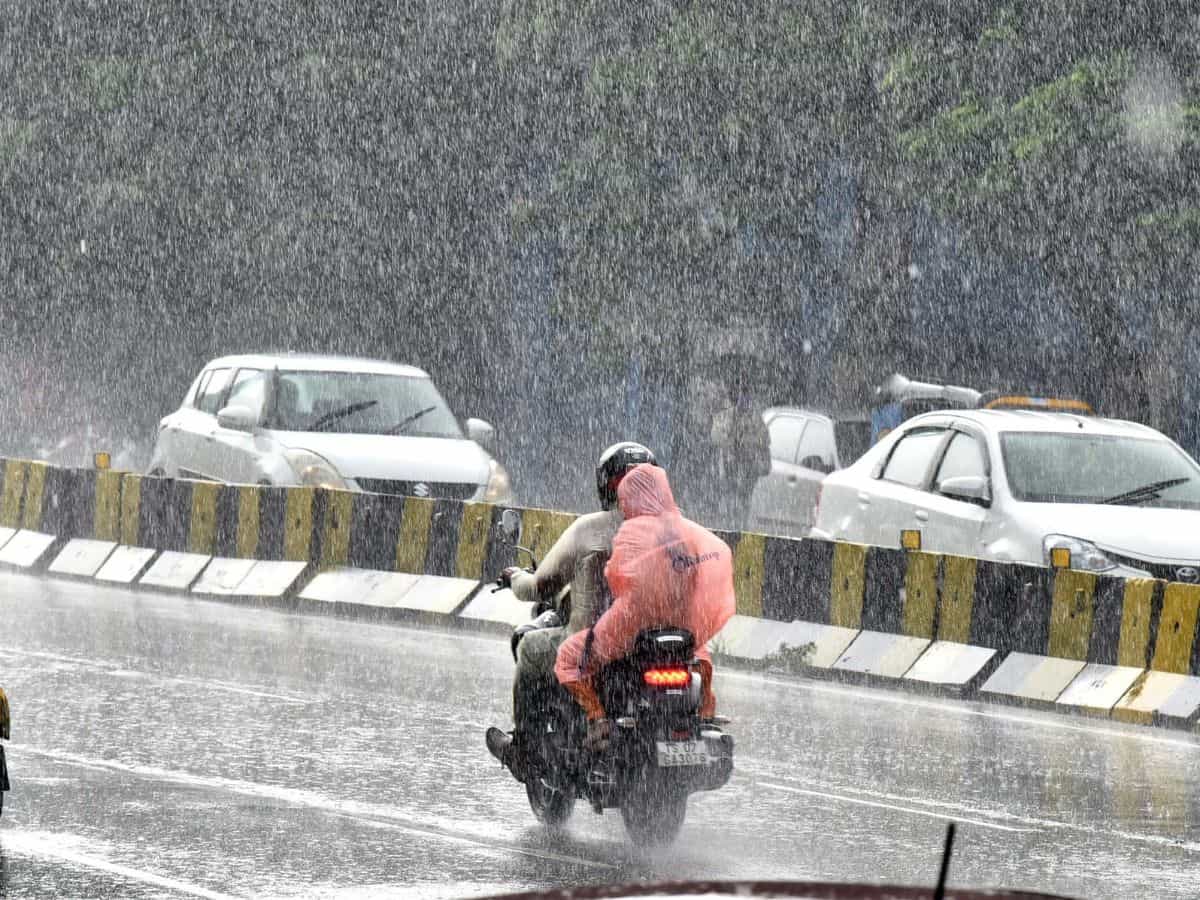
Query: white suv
{"x": 1118, "y": 497}
{"x": 328, "y": 421}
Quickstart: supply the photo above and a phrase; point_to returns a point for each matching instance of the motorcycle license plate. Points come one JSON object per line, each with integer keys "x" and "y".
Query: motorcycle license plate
{"x": 682, "y": 753}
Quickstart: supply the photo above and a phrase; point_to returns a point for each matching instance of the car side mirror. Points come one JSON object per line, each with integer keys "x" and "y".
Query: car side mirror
{"x": 482, "y": 433}
{"x": 237, "y": 418}
{"x": 509, "y": 527}
{"x": 971, "y": 488}
{"x": 816, "y": 463}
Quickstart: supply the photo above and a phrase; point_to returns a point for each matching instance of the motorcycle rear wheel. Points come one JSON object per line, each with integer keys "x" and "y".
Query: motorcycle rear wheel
{"x": 654, "y": 820}
{"x": 551, "y": 806}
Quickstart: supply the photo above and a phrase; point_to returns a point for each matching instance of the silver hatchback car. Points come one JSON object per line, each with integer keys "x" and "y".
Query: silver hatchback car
{"x": 330, "y": 421}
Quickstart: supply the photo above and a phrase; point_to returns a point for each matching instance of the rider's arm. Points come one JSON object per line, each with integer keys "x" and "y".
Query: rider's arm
{"x": 555, "y": 570}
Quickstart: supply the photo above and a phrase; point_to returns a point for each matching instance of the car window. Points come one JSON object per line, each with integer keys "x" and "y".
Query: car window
{"x": 964, "y": 456}
{"x": 249, "y": 390}
{"x": 361, "y": 403}
{"x": 785, "y": 437}
{"x": 912, "y": 457}
{"x": 1048, "y": 467}
{"x": 817, "y": 440}
{"x": 212, "y": 390}
{"x": 193, "y": 392}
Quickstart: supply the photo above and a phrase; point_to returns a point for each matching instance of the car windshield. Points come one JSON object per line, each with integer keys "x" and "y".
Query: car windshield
{"x": 361, "y": 403}
{"x": 1089, "y": 468}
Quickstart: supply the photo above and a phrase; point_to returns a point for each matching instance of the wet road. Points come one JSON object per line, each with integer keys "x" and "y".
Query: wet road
{"x": 164, "y": 746}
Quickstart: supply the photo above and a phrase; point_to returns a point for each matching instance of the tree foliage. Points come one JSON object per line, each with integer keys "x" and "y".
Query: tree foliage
{"x": 451, "y": 181}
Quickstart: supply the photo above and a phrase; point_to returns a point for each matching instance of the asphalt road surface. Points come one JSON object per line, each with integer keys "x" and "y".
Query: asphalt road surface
{"x": 165, "y": 746}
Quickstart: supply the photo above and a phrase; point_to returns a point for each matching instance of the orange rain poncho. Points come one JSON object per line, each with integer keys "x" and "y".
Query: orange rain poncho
{"x": 665, "y": 571}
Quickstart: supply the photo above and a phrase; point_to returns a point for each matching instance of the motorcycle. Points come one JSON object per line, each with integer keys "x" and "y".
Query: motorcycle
{"x": 4, "y": 732}
{"x": 659, "y": 753}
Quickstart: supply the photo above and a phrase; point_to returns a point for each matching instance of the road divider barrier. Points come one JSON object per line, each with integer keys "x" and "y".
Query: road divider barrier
{"x": 1126, "y": 648}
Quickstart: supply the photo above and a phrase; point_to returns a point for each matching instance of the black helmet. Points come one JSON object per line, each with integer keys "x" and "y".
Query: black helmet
{"x": 615, "y": 462}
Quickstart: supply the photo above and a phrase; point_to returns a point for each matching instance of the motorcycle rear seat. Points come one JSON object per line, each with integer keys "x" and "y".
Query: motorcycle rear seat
{"x": 664, "y": 645}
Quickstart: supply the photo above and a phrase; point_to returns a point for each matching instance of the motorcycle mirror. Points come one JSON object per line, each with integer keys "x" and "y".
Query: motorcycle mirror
{"x": 509, "y": 528}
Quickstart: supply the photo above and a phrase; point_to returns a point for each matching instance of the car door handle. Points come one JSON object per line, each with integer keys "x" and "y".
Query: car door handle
{"x": 921, "y": 515}
{"x": 864, "y": 498}
{"x": 792, "y": 479}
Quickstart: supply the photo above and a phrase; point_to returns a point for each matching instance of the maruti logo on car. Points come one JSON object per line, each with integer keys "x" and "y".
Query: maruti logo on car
{"x": 420, "y": 489}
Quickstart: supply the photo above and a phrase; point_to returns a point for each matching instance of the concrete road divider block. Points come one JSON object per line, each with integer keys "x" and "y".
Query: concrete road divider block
{"x": 1158, "y": 696}
{"x": 270, "y": 578}
{"x": 1098, "y": 688}
{"x": 344, "y": 584}
{"x": 502, "y": 606}
{"x": 951, "y": 664}
{"x": 826, "y": 643}
{"x": 175, "y": 570}
{"x": 6, "y": 535}
{"x": 748, "y": 637}
{"x": 126, "y": 564}
{"x": 391, "y": 591}
{"x": 26, "y": 549}
{"x": 1027, "y": 676}
{"x": 362, "y": 587}
{"x": 82, "y": 557}
{"x": 878, "y": 653}
{"x": 436, "y": 594}
{"x": 222, "y": 576}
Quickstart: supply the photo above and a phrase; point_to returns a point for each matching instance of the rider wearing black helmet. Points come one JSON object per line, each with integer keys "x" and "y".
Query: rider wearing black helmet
{"x": 577, "y": 558}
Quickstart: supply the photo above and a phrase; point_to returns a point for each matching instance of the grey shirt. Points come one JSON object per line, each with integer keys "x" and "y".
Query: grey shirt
{"x": 577, "y": 558}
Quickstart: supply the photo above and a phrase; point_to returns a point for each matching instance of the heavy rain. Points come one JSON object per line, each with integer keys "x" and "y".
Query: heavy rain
{"x": 759, "y": 239}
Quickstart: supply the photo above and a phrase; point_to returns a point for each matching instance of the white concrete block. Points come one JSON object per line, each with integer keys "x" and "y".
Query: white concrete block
{"x": 125, "y": 564}
{"x": 175, "y": 570}
{"x": 1160, "y": 694}
{"x": 82, "y": 557}
{"x": 1098, "y": 687}
{"x": 950, "y": 663}
{"x": 828, "y": 642}
{"x": 1032, "y": 677}
{"x": 346, "y": 584}
{"x": 270, "y": 578}
{"x": 502, "y": 606}
{"x": 433, "y": 593}
{"x": 879, "y": 653}
{"x": 392, "y": 589}
{"x": 25, "y": 549}
{"x": 222, "y": 576}
{"x": 748, "y": 637}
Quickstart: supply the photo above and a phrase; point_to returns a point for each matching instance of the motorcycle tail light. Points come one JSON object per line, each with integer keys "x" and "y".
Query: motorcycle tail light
{"x": 667, "y": 678}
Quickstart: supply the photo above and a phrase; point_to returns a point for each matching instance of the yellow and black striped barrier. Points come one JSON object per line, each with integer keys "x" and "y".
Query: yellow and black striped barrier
{"x": 1008, "y": 607}
{"x": 422, "y": 536}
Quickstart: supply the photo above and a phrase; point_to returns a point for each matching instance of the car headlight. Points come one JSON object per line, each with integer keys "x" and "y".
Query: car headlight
{"x": 1084, "y": 555}
{"x": 499, "y": 487}
{"x": 314, "y": 470}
